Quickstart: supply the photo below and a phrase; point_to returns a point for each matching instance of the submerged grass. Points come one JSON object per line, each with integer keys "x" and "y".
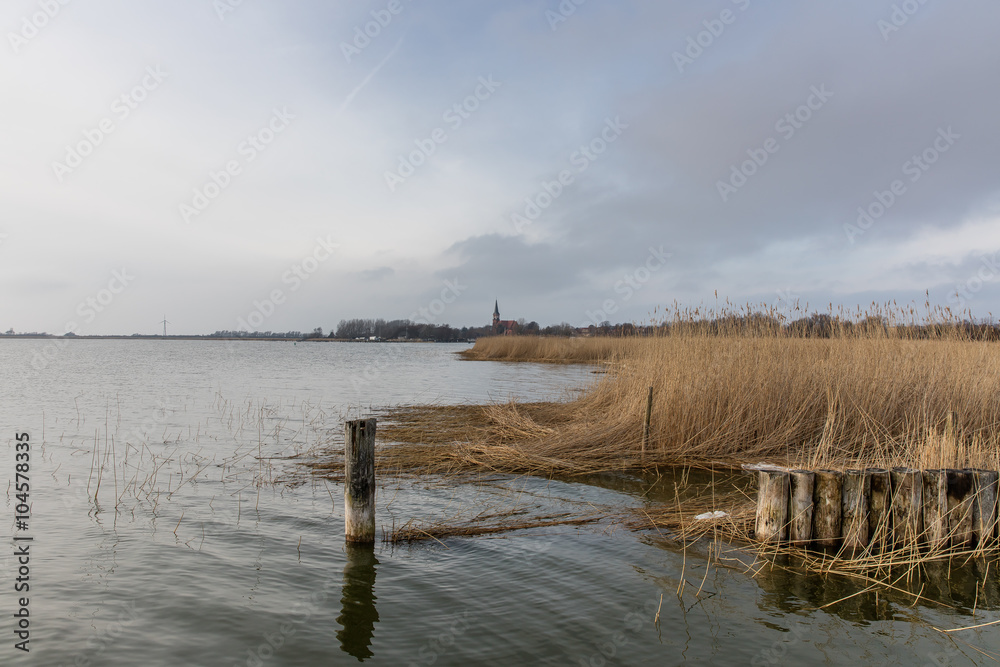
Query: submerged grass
{"x": 415, "y": 531}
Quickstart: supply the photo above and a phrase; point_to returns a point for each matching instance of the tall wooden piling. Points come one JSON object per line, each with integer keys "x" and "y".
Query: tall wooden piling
{"x": 856, "y": 490}
{"x": 936, "y": 533}
{"x": 645, "y": 424}
{"x": 879, "y": 507}
{"x": 359, "y": 481}
{"x": 907, "y": 505}
{"x": 984, "y": 516}
{"x": 772, "y": 505}
{"x": 827, "y": 507}
{"x": 961, "y": 500}
{"x": 800, "y": 506}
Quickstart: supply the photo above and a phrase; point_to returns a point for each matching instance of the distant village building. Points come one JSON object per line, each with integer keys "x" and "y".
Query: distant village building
{"x": 502, "y": 327}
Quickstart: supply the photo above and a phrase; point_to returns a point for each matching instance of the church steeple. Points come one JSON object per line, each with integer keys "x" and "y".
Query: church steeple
{"x": 496, "y": 316}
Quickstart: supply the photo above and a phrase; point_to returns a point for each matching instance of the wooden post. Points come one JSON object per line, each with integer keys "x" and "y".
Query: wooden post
{"x": 857, "y": 485}
{"x": 960, "y": 507}
{"x": 907, "y": 505}
{"x": 645, "y": 425}
{"x": 772, "y": 506}
{"x": 800, "y": 506}
{"x": 984, "y": 517}
{"x": 936, "y": 508}
{"x": 359, "y": 481}
{"x": 879, "y": 507}
{"x": 827, "y": 507}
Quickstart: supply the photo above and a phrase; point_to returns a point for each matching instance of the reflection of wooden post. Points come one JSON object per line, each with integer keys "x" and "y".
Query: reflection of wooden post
{"x": 772, "y": 506}
{"x": 855, "y": 510}
{"x": 827, "y": 507}
{"x": 960, "y": 507}
{"x": 907, "y": 506}
{"x": 359, "y": 481}
{"x": 879, "y": 506}
{"x": 358, "y": 611}
{"x": 936, "y": 508}
{"x": 984, "y": 517}
{"x": 800, "y": 506}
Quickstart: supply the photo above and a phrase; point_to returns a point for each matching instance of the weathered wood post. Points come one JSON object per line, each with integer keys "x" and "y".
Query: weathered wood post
{"x": 827, "y": 507}
{"x": 879, "y": 507}
{"x": 960, "y": 507}
{"x": 645, "y": 425}
{"x": 800, "y": 506}
{"x": 359, "y": 481}
{"x": 984, "y": 517}
{"x": 855, "y": 509}
{"x": 907, "y": 505}
{"x": 935, "y": 492}
{"x": 772, "y": 505}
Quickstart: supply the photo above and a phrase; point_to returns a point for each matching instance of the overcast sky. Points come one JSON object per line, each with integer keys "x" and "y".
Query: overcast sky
{"x": 313, "y": 161}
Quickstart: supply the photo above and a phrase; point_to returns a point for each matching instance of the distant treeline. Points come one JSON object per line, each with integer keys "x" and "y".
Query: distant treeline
{"x": 407, "y": 329}
{"x": 877, "y": 321}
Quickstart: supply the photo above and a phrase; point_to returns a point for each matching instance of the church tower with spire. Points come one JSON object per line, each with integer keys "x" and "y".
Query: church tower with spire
{"x": 502, "y": 327}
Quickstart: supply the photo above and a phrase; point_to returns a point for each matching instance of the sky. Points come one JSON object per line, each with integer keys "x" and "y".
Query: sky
{"x": 275, "y": 165}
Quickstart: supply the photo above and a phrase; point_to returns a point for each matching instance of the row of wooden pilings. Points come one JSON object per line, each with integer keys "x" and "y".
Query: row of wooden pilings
{"x": 852, "y": 509}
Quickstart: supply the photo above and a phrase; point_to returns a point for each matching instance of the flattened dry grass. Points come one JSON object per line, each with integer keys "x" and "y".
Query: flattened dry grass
{"x": 416, "y": 531}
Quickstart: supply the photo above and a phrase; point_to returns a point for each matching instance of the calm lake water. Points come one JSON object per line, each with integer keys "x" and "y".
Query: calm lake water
{"x": 206, "y": 547}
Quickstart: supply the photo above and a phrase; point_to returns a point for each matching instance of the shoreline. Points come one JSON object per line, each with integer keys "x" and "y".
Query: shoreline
{"x": 243, "y": 339}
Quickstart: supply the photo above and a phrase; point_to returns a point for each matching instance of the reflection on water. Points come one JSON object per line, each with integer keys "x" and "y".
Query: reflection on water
{"x": 358, "y": 615}
{"x": 217, "y": 556}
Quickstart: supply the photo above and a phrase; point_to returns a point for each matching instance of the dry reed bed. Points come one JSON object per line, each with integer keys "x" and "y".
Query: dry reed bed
{"x": 863, "y": 400}
{"x": 840, "y": 402}
{"x": 557, "y": 350}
